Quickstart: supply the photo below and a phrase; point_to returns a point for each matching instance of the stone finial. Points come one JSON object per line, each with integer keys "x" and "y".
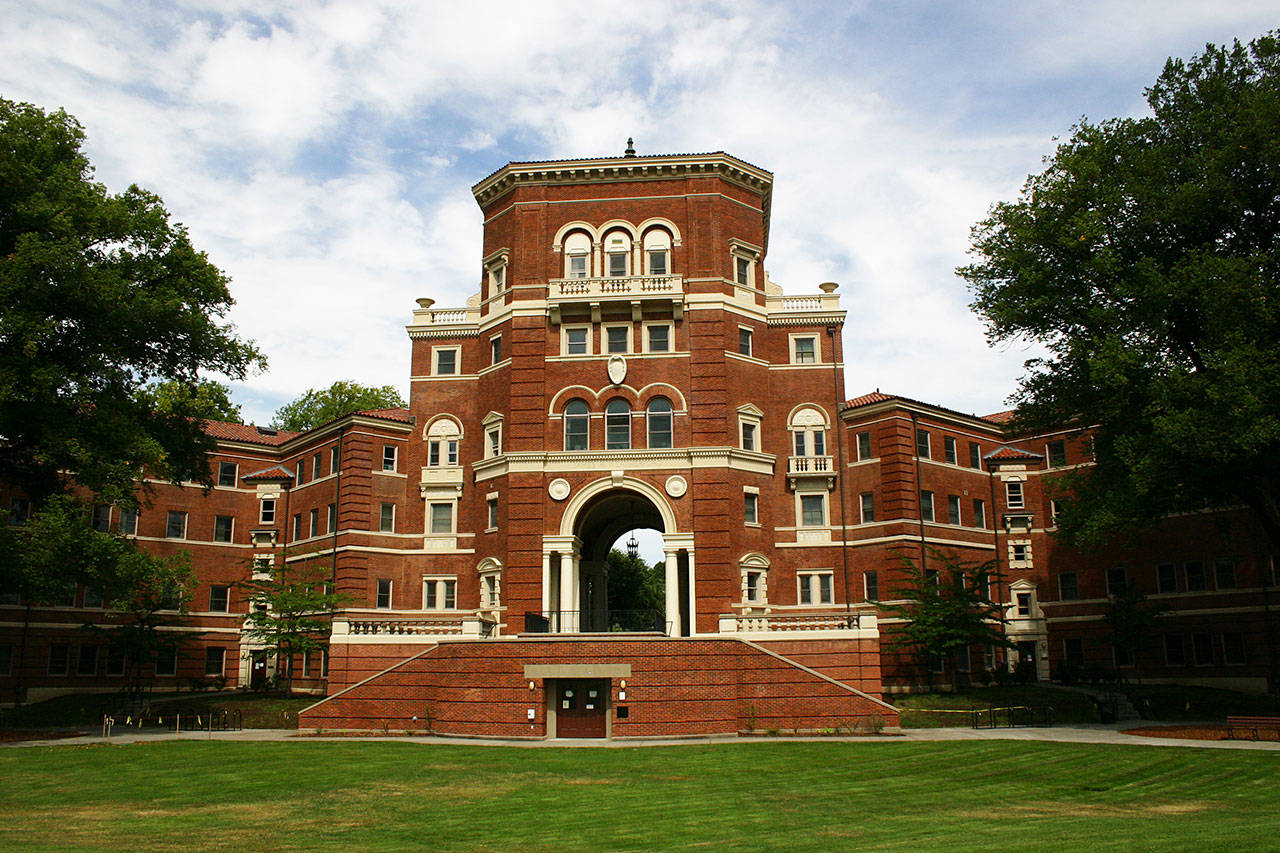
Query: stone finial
{"x": 631, "y": 148}
{"x": 828, "y": 287}
{"x": 426, "y": 302}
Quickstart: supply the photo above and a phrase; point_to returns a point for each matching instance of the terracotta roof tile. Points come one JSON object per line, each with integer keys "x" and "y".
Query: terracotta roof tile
{"x": 867, "y": 399}
{"x": 999, "y": 417}
{"x": 394, "y": 413}
{"x": 1011, "y": 454}
{"x": 248, "y": 433}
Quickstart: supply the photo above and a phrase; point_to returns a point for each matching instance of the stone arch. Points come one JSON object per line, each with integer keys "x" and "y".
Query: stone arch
{"x": 570, "y": 520}
{"x": 576, "y": 225}
{"x": 661, "y": 222}
{"x": 808, "y": 415}
{"x": 439, "y": 426}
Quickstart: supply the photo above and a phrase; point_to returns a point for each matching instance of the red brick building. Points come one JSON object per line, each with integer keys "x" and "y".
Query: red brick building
{"x": 627, "y": 363}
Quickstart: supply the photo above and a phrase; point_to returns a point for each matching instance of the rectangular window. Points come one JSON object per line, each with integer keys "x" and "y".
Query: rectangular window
{"x": 387, "y": 518}
{"x": 115, "y": 661}
{"x": 1225, "y": 573}
{"x": 742, "y": 270}
{"x": 813, "y": 510}
{"x": 214, "y": 661}
{"x": 1174, "y": 655}
{"x": 297, "y": 526}
{"x": 92, "y": 599}
{"x": 575, "y": 340}
{"x": 659, "y": 338}
{"x": 953, "y": 509}
{"x": 446, "y": 362}
{"x": 58, "y": 655}
{"x": 87, "y": 662}
{"x": 493, "y": 513}
{"x": 167, "y": 662}
{"x": 806, "y": 350}
{"x": 1068, "y": 586}
{"x": 1117, "y": 580}
{"x": 975, "y": 455}
{"x": 1194, "y": 572}
{"x": 442, "y": 518}
{"x": 744, "y": 341}
{"x": 657, "y": 262}
{"x": 871, "y": 586}
{"x": 1166, "y": 577}
{"x": 227, "y": 473}
{"x": 863, "y": 444}
{"x": 926, "y": 505}
{"x": 222, "y": 528}
{"x": 301, "y": 475}
{"x": 949, "y": 449}
{"x": 577, "y": 266}
{"x": 128, "y": 522}
{"x": 494, "y": 442}
{"x": 388, "y": 457}
{"x": 751, "y": 594}
{"x": 617, "y": 264}
{"x": 176, "y": 525}
{"x": 333, "y": 460}
{"x": 219, "y": 599}
{"x": 815, "y": 587}
{"x": 867, "y": 507}
{"x": 1024, "y": 603}
{"x": 751, "y": 507}
{"x": 267, "y": 511}
{"x": 1013, "y": 494}
{"x": 1019, "y": 552}
{"x": 1073, "y": 651}
{"x": 102, "y": 518}
{"x": 489, "y": 591}
{"x": 617, "y": 339}
{"x": 1055, "y": 510}
{"x": 495, "y": 349}
{"x": 748, "y": 436}
{"x": 315, "y": 467}
{"x": 333, "y": 517}
{"x": 1232, "y": 648}
{"x": 922, "y": 443}
{"x": 383, "y": 600}
{"x": 313, "y": 527}
{"x": 1057, "y": 451}
{"x": 979, "y": 512}
{"x": 1202, "y": 649}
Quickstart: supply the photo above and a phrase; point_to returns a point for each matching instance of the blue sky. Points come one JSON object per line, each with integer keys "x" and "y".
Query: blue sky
{"x": 322, "y": 153}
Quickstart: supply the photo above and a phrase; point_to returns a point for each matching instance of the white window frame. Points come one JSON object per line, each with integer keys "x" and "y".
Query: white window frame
{"x": 955, "y": 512}
{"x": 382, "y": 517}
{"x": 235, "y": 474}
{"x": 453, "y": 518}
{"x": 751, "y": 501}
{"x": 826, "y": 517}
{"x": 862, "y": 508}
{"x": 390, "y": 462}
{"x": 231, "y": 530}
{"x": 647, "y": 331}
{"x": 739, "y": 250}
{"x": 1023, "y": 547}
{"x": 457, "y": 360}
{"x": 626, "y": 328}
{"x": 441, "y": 587}
{"x": 584, "y": 418}
{"x": 493, "y": 441}
{"x": 928, "y": 511}
{"x": 577, "y": 246}
{"x": 313, "y": 523}
{"x": 950, "y": 450}
{"x": 586, "y": 340}
{"x": 749, "y": 415}
{"x": 495, "y": 349}
{"x": 490, "y": 589}
{"x": 491, "y": 509}
{"x": 390, "y": 587}
{"x": 857, "y": 446}
{"x": 1012, "y": 486}
{"x": 750, "y": 341}
{"x": 168, "y": 519}
{"x": 629, "y": 416}
{"x": 809, "y": 586}
{"x": 650, "y": 415}
{"x": 793, "y": 341}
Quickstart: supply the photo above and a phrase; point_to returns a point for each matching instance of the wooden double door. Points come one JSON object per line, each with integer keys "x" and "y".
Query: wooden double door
{"x": 582, "y": 707}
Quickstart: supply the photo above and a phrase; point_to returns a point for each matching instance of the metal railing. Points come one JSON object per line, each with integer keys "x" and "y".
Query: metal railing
{"x": 1014, "y": 717}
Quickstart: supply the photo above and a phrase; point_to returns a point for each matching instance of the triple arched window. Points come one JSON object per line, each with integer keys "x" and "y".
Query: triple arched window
{"x": 659, "y": 428}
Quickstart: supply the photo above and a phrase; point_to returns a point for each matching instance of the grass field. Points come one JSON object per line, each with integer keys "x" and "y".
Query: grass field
{"x": 750, "y": 796}
{"x": 933, "y": 710}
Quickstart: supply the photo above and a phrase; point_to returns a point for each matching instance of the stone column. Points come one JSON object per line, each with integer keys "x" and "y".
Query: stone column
{"x": 673, "y": 594}
{"x": 568, "y": 592}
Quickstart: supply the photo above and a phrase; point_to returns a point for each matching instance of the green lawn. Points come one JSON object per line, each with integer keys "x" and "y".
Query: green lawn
{"x": 750, "y": 796}
{"x": 934, "y": 710}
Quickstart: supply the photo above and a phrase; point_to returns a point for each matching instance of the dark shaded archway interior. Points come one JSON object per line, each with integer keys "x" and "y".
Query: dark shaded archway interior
{"x": 610, "y": 515}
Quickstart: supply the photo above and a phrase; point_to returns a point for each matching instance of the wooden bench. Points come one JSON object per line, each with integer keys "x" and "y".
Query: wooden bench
{"x": 1252, "y": 725}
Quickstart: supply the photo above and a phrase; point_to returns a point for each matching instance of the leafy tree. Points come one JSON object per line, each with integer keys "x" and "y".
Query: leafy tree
{"x": 1145, "y": 259}
{"x": 1130, "y": 616}
{"x": 945, "y": 610}
{"x": 56, "y": 550}
{"x": 205, "y": 399}
{"x": 341, "y": 398}
{"x": 635, "y": 586}
{"x": 292, "y": 609}
{"x": 100, "y": 294}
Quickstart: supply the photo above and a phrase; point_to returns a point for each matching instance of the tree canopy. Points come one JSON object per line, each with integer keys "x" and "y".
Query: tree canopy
{"x": 100, "y": 294}
{"x": 200, "y": 399}
{"x": 1144, "y": 258}
{"x": 341, "y": 398}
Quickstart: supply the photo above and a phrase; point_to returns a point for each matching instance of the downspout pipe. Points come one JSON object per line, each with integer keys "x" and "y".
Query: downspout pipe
{"x": 839, "y": 436}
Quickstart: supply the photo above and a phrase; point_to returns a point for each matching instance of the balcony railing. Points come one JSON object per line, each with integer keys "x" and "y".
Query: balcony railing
{"x": 577, "y": 622}
{"x": 630, "y": 287}
{"x": 450, "y": 626}
{"x": 761, "y": 623}
{"x": 809, "y": 465}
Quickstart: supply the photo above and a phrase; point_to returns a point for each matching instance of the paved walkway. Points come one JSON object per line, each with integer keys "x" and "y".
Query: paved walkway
{"x": 1104, "y": 733}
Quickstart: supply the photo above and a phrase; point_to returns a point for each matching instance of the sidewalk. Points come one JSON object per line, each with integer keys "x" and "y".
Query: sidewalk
{"x": 1103, "y": 733}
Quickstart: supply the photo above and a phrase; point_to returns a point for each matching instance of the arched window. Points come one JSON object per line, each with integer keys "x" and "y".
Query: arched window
{"x": 659, "y": 422}
{"x": 617, "y": 254}
{"x": 809, "y": 426}
{"x": 617, "y": 425}
{"x": 576, "y": 419}
{"x": 442, "y": 444}
{"x": 577, "y": 255}
{"x": 657, "y": 252}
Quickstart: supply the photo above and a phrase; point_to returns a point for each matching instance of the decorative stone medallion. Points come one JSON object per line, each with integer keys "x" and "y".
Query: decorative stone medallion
{"x": 677, "y": 486}
{"x": 558, "y": 489}
{"x": 617, "y": 369}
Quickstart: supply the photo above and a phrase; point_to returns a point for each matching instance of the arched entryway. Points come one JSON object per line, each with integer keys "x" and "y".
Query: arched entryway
{"x": 576, "y": 562}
